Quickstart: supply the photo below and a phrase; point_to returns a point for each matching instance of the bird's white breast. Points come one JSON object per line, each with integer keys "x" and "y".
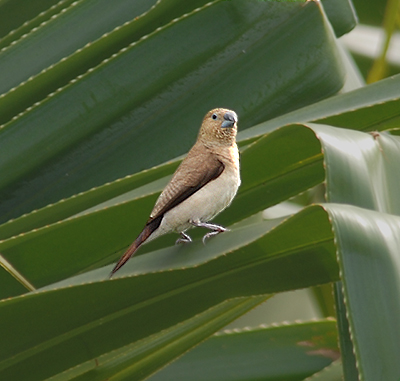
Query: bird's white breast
{"x": 204, "y": 204}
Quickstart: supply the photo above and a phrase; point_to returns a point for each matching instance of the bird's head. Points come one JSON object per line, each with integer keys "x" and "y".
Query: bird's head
{"x": 219, "y": 127}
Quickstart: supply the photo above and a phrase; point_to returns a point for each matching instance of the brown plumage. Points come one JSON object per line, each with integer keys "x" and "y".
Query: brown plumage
{"x": 203, "y": 185}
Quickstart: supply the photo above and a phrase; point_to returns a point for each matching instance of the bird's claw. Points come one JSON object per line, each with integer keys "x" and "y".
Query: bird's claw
{"x": 221, "y": 229}
{"x": 184, "y": 239}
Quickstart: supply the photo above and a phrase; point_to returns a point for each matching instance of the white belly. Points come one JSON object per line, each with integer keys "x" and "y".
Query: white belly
{"x": 202, "y": 206}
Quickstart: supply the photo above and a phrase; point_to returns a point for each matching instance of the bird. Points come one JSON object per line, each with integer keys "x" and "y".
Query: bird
{"x": 203, "y": 185}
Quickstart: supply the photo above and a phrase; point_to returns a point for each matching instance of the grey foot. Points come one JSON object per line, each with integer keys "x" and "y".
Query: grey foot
{"x": 184, "y": 239}
{"x": 215, "y": 229}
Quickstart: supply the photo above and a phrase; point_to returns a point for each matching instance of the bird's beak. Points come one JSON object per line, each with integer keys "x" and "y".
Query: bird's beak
{"x": 230, "y": 119}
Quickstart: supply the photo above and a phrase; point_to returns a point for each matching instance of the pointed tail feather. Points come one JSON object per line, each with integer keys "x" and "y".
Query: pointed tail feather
{"x": 150, "y": 227}
{"x": 127, "y": 255}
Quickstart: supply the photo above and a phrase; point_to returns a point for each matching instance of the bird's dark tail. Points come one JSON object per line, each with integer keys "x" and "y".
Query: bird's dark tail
{"x": 150, "y": 227}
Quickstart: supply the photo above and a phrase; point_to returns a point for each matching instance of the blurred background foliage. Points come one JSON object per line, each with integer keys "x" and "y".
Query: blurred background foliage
{"x": 375, "y": 43}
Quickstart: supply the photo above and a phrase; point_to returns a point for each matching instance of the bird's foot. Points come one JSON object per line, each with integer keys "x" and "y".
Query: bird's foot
{"x": 215, "y": 229}
{"x": 213, "y": 233}
{"x": 184, "y": 239}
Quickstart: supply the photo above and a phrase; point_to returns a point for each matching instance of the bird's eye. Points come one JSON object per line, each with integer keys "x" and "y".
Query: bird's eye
{"x": 214, "y": 116}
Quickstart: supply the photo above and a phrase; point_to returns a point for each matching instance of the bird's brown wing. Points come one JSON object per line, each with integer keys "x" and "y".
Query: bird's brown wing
{"x": 198, "y": 168}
